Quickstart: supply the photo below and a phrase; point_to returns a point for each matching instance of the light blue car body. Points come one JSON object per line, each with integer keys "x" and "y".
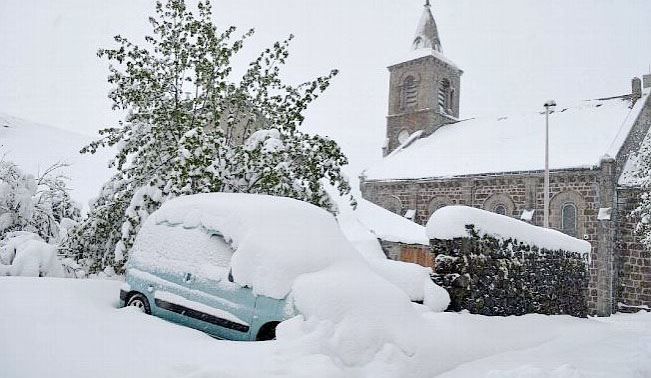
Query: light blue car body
{"x": 219, "y": 307}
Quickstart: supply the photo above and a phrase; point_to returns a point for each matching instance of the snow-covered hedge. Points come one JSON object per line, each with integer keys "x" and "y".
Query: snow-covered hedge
{"x": 502, "y": 266}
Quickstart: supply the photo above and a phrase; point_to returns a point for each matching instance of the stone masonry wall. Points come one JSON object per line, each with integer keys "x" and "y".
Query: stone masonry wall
{"x": 633, "y": 289}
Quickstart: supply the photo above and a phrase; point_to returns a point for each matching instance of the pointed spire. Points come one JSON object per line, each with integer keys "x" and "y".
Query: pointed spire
{"x": 427, "y": 36}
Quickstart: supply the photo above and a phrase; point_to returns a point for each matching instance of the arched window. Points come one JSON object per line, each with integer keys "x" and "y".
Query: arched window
{"x": 444, "y": 96}
{"x": 437, "y": 203}
{"x": 393, "y": 204}
{"x": 500, "y": 209}
{"x": 403, "y": 135}
{"x": 568, "y": 219}
{"x": 418, "y": 43}
{"x": 409, "y": 96}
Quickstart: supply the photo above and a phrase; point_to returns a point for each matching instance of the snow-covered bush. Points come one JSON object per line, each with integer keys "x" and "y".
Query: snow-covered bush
{"x": 26, "y": 254}
{"x": 35, "y": 204}
{"x": 196, "y": 129}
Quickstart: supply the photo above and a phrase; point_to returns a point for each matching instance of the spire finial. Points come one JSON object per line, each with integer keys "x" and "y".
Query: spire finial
{"x": 427, "y": 4}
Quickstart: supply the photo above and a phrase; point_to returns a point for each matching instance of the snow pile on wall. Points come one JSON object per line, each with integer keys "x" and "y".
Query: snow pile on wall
{"x": 349, "y": 313}
{"x": 26, "y": 254}
{"x": 450, "y": 222}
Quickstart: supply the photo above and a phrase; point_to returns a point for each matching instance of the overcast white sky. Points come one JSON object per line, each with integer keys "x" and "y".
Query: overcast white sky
{"x": 515, "y": 53}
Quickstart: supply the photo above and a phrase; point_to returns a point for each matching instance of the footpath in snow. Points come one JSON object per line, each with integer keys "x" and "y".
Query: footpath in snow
{"x": 72, "y": 328}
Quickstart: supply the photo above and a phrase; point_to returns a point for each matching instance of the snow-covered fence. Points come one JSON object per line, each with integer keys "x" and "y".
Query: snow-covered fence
{"x": 496, "y": 265}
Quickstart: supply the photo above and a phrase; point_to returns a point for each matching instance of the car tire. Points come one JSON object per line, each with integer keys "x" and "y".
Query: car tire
{"x": 267, "y": 332}
{"x": 140, "y": 302}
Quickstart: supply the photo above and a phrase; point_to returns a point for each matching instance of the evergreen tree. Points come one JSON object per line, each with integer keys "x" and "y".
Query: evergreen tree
{"x": 192, "y": 128}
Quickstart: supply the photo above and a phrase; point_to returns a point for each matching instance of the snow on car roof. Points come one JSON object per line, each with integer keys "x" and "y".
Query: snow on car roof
{"x": 579, "y": 137}
{"x": 275, "y": 238}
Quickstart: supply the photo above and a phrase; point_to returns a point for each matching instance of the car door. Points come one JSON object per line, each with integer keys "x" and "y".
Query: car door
{"x": 201, "y": 296}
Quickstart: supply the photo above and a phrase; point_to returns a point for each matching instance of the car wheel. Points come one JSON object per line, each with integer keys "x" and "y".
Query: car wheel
{"x": 267, "y": 332}
{"x": 140, "y": 302}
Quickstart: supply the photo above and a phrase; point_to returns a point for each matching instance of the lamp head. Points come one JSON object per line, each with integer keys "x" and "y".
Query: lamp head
{"x": 550, "y": 105}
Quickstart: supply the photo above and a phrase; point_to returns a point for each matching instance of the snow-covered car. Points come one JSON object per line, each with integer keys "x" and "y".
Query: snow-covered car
{"x": 227, "y": 264}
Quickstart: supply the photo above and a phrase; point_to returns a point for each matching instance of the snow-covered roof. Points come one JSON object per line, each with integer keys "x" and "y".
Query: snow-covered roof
{"x": 421, "y": 53}
{"x": 427, "y": 35}
{"x": 450, "y": 222}
{"x": 579, "y": 137}
{"x": 389, "y": 226}
{"x": 629, "y": 176}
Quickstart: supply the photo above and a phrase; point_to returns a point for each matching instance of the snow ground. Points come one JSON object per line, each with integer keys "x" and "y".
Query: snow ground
{"x": 72, "y": 328}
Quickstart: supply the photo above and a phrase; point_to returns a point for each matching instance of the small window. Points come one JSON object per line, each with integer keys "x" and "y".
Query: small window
{"x": 409, "y": 96}
{"x": 500, "y": 209}
{"x": 403, "y": 136}
{"x": 568, "y": 219}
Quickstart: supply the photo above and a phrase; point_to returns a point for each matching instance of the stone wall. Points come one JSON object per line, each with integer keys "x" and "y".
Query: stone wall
{"x": 490, "y": 276}
{"x": 587, "y": 189}
{"x": 633, "y": 262}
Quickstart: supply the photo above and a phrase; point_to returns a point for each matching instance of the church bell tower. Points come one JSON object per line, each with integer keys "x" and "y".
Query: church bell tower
{"x": 423, "y": 89}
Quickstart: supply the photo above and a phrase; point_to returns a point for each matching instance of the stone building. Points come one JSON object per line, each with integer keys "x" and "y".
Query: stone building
{"x": 433, "y": 159}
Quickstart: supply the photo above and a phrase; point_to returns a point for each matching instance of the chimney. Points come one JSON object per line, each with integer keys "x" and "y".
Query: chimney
{"x": 636, "y": 86}
{"x": 646, "y": 81}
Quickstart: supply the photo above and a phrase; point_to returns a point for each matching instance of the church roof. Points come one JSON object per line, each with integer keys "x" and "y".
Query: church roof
{"x": 427, "y": 35}
{"x": 579, "y": 137}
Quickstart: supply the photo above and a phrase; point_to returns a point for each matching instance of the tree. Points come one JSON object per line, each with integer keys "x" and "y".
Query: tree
{"x": 192, "y": 128}
{"x": 35, "y": 204}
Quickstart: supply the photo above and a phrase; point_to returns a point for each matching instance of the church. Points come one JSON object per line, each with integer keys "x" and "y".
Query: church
{"x": 432, "y": 158}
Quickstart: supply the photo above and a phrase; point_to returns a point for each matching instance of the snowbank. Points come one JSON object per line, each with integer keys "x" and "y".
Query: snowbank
{"x": 413, "y": 279}
{"x": 72, "y": 328}
{"x": 450, "y": 222}
{"x": 26, "y": 254}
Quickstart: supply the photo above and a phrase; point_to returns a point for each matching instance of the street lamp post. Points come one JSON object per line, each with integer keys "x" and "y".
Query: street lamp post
{"x": 549, "y": 107}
